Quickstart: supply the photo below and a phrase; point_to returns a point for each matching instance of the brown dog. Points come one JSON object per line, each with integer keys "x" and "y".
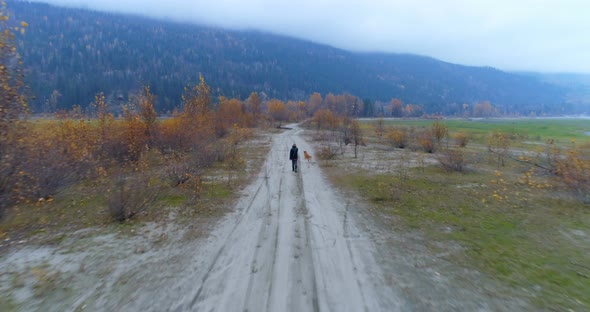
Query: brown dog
{"x": 307, "y": 156}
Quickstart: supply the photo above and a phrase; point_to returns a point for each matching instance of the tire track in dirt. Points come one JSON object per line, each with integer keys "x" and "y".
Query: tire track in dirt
{"x": 348, "y": 278}
{"x": 289, "y": 248}
{"x": 261, "y": 219}
{"x": 227, "y": 239}
{"x": 221, "y": 250}
{"x": 266, "y": 249}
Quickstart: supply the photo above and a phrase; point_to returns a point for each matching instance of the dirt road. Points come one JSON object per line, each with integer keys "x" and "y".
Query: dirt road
{"x": 292, "y": 247}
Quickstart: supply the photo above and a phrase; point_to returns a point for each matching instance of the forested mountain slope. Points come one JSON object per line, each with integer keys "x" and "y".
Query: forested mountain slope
{"x": 73, "y": 54}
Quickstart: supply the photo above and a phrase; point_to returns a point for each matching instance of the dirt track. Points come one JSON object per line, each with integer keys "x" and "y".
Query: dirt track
{"x": 291, "y": 248}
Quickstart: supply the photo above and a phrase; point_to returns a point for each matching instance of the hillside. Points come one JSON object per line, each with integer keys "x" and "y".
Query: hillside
{"x": 577, "y": 85}
{"x": 79, "y": 53}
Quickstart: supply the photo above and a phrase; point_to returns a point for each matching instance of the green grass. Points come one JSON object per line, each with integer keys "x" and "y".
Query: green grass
{"x": 533, "y": 237}
{"x": 174, "y": 200}
{"x": 562, "y": 130}
{"x": 517, "y": 238}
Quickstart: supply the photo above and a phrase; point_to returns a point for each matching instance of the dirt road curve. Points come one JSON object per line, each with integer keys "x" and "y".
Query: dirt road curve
{"x": 292, "y": 247}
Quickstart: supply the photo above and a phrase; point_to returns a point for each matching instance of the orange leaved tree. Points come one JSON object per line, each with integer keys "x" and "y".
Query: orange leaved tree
{"x": 13, "y": 105}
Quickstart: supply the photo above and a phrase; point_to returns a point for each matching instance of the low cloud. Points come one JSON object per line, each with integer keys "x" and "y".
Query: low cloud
{"x": 540, "y": 35}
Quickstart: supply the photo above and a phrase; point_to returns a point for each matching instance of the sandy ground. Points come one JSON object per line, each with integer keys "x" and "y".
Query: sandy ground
{"x": 292, "y": 243}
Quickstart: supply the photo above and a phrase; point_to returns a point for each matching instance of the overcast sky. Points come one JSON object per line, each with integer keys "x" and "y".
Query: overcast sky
{"x": 536, "y": 35}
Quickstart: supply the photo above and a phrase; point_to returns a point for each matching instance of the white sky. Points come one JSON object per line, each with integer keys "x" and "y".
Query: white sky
{"x": 536, "y": 35}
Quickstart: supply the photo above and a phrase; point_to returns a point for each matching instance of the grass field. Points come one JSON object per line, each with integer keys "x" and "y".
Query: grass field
{"x": 562, "y": 130}
{"x": 525, "y": 231}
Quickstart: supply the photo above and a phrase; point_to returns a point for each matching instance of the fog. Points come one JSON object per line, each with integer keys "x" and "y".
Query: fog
{"x": 531, "y": 35}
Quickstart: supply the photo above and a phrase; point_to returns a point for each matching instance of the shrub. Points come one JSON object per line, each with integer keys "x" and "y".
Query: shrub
{"x": 426, "y": 141}
{"x": 327, "y": 152}
{"x": 397, "y": 137}
{"x": 179, "y": 172}
{"x": 461, "y": 139}
{"x": 574, "y": 171}
{"x": 439, "y": 131}
{"x": 452, "y": 160}
{"x": 129, "y": 197}
{"x": 499, "y": 145}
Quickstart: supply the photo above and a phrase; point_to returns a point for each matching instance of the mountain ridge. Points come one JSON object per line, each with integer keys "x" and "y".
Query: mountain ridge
{"x": 79, "y": 52}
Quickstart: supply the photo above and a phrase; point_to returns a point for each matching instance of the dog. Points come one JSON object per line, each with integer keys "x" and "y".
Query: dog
{"x": 307, "y": 156}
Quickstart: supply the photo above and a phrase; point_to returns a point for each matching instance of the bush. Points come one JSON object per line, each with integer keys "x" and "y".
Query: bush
{"x": 426, "y": 141}
{"x": 397, "y": 138}
{"x": 439, "y": 131}
{"x": 129, "y": 197}
{"x": 461, "y": 139}
{"x": 574, "y": 171}
{"x": 179, "y": 172}
{"x": 327, "y": 152}
{"x": 499, "y": 146}
{"x": 452, "y": 160}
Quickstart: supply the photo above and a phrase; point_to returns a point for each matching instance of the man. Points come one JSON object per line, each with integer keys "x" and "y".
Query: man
{"x": 294, "y": 156}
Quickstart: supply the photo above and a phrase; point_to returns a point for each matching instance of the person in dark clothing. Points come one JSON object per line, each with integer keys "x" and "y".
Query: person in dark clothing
{"x": 294, "y": 156}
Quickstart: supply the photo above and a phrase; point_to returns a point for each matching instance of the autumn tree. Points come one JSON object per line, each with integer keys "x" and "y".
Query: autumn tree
{"x": 499, "y": 145}
{"x": 254, "y": 104}
{"x": 234, "y": 160}
{"x": 105, "y": 119}
{"x": 314, "y": 103}
{"x": 197, "y": 99}
{"x": 195, "y": 129}
{"x": 277, "y": 111}
{"x": 439, "y": 131}
{"x": 301, "y": 109}
{"x": 135, "y": 135}
{"x": 231, "y": 112}
{"x": 396, "y": 107}
{"x": 573, "y": 170}
{"x": 325, "y": 119}
{"x": 413, "y": 110}
{"x": 292, "y": 108}
{"x": 148, "y": 114}
{"x": 485, "y": 109}
{"x": 13, "y": 105}
{"x": 330, "y": 102}
{"x": 356, "y": 134}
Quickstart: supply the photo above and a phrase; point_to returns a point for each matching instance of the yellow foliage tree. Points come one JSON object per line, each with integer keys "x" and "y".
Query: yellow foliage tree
{"x": 574, "y": 171}
{"x": 314, "y": 103}
{"x": 13, "y": 105}
{"x": 254, "y": 104}
{"x": 277, "y": 111}
{"x": 197, "y": 116}
{"x": 148, "y": 114}
{"x": 325, "y": 119}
